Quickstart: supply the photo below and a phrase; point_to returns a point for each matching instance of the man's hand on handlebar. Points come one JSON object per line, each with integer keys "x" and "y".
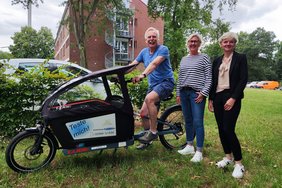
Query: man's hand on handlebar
{"x": 138, "y": 78}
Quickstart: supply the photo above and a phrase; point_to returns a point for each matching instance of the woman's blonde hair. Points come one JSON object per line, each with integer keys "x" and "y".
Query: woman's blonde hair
{"x": 194, "y": 35}
{"x": 229, "y": 35}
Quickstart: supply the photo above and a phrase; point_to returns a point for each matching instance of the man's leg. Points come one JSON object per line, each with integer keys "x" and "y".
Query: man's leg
{"x": 146, "y": 125}
{"x": 151, "y": 99}
{"x": 159, "y": 91}
{"x": 144, "y": 114}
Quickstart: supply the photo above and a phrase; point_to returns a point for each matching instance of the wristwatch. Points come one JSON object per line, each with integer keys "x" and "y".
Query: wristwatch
{"x": 144, "y": 75}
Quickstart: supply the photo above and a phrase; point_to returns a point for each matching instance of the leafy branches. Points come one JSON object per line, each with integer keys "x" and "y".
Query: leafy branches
{"x": 84, "y": 15}
{"x": 26, "y": 3}
{"x": 28, "y": 43}
{"x": 182, "y": 17}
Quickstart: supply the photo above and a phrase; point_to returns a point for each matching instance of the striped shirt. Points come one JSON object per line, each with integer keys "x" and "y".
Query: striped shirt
{"x": 195, "y": 71}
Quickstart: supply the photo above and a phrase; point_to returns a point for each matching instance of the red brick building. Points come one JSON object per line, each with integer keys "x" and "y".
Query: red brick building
{"x": 118, "y": 47}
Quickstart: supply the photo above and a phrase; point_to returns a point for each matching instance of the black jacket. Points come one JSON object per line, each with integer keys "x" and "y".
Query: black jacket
{"x": 238, "y": 75}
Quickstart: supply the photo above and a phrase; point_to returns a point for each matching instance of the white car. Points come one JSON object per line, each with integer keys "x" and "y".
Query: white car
{"x": 70, "y": 69}
{"x": 252, "y": 84}
{"x": 26, "y": 64}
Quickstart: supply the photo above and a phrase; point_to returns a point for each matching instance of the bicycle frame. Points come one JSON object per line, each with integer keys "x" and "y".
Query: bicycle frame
{"x": 174, "y": 128}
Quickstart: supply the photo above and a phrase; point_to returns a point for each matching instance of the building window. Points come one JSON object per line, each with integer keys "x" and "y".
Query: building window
{"x": 122, "y": 27}
{"x": 121, "y": 49}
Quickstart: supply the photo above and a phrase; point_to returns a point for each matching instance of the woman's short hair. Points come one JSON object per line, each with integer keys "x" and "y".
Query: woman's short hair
{"x": 229, "y": 35}
{"x": 194, "y": 35}
{"x": 152, "y": 29}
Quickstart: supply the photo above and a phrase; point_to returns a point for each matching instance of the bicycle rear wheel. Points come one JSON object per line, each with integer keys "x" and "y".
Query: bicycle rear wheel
{"x": 21, "y": 155}
{"x": 174, "y": 119}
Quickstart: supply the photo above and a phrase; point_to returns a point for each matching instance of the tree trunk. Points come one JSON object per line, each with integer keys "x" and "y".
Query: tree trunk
{"x": 82, "y": 56}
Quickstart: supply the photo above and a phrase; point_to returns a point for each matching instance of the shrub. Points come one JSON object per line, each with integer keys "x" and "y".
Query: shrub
{"x": 21, "y": 95}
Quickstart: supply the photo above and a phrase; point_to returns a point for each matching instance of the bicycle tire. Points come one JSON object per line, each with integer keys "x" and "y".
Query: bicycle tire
{"x": 18, "y": 153}
{"x": 174, "y": 116}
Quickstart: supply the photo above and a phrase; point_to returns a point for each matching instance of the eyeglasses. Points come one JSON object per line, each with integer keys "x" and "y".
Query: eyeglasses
{"x": 152, "y": 36}
{"x": 193, "y": 41}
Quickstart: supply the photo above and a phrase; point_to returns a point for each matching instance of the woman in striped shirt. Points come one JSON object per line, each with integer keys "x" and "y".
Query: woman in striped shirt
{"x": 194, "y": 82}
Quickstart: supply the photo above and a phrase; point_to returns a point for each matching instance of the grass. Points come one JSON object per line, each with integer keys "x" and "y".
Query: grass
{"x": 259, "y": 129}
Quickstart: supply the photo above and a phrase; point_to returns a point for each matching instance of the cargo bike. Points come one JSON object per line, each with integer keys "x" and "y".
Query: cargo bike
{"x": 76, "y": 119}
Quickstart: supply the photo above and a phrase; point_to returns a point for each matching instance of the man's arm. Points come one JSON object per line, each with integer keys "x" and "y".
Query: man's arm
{"x": 153, "y": 65}
{"x": 132, "y": 63}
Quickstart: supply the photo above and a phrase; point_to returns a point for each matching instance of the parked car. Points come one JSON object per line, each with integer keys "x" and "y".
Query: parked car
{"x": 252, "y": 84}
{"x": 268, "y": 85}
{"x": 70, "y": 69}
{"x": 26, "y": 64}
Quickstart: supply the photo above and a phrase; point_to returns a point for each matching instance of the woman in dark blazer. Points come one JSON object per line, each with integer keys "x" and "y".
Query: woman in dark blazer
{"x": 230, "y": 76}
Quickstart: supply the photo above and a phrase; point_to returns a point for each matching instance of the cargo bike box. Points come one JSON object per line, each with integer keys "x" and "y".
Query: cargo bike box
{"x": 80, "y": 117}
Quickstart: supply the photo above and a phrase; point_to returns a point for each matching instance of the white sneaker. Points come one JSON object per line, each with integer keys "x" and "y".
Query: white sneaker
{"x": 224, "y": 162}
{"x": 187, "y": 150}
{"x": 197, "y": 157}
{"x": 238, "y": 171}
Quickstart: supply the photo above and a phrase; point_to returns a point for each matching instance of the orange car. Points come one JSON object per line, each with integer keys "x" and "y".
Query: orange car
{"x": 268, "y": 85}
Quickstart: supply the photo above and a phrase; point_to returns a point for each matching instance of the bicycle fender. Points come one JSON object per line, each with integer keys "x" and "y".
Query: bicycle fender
{"x": 47, "y": 132}
{"x": 32, "y": 129}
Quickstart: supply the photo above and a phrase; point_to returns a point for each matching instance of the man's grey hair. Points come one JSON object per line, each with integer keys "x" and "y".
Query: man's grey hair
{"x": 152, "y": 29}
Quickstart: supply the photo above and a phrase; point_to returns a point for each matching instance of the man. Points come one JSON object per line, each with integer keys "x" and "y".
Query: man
{"x": 160, "y": 80}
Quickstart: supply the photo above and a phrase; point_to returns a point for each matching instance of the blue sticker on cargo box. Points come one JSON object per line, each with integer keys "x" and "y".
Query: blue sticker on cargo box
{"x": 101, "y": 126}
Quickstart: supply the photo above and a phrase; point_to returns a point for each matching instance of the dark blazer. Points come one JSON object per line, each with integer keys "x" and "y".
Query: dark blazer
{"x": 238, "y": 75}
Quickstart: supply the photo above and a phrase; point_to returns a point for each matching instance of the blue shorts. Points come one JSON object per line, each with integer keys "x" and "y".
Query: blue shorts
{"x": 163, "y": 89}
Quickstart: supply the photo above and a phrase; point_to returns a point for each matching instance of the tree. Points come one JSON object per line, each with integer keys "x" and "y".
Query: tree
{"x": 84, "y": 14}
{"x": 5, "y": 55}
{"x": 278, "y": 62}
{"x": 47, "y": 42}
{"x": 26, "y": 3}
{"x": 260, "y": 47}
{"x": 262, "y": 50}
{"x": 28, "y": 43}
{"x": 215, "y": 30}
{"x": 182, "y": 17}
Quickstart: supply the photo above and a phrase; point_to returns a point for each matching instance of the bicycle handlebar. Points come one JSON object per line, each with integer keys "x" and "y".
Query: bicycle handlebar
{"x": 116, "y": 80}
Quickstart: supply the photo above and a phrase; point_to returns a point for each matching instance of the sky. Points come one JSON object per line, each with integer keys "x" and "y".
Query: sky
{"x": 12, "y": 18}
{"x": 248, "y": 16}
{"x": 251, "y": 14}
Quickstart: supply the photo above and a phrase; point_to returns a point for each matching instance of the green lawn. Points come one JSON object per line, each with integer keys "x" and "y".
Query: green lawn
{"x": 259, "y": 129}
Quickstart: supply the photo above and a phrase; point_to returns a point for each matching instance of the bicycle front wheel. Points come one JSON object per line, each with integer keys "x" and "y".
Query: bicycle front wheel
{"x": 173, "y": 119}
{"x": 23, "y": 156}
